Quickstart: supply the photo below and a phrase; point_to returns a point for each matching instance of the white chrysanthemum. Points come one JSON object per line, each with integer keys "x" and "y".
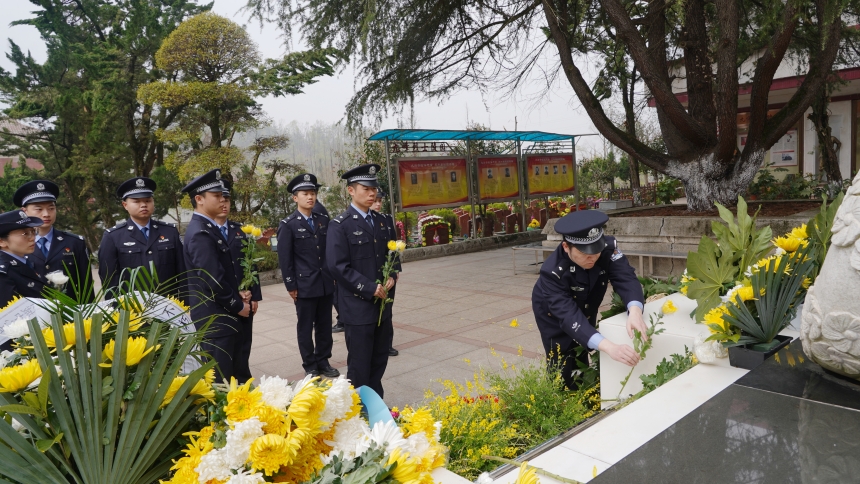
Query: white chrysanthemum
{"x": 387, "y": 435}
{"x": 437, "y": 434}
{"x": 417, "y": 445}
{"x": 239, "y": 440}
{"x": 484, "y": 478}
{"x": 246, "y": 477}
{"x": 297, "y": 386}
{"x": 338, "y": 400}
{"x": 17, "y": 329}
{"x": 730, "y": 296}
{"x": 276, "y": 392}
{"x": 779, "y": 251}
{"x": 213, "y": 466}
{"x": 350, "y": 438}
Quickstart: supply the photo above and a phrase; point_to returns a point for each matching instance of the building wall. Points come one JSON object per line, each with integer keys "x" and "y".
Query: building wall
{"x": 842, "y": 126}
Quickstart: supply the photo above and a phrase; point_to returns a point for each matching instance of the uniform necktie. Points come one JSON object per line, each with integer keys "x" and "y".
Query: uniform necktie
{"x": 311, "y": 223}
{"x": 369, "y": 220}
{"x": 224, "y": 232}
{"x": 145, "y": 231}
{"x": 30, "y": 264}
{"x": 43, "y": 246}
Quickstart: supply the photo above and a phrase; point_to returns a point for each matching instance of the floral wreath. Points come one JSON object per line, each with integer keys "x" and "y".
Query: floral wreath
{"x": 434, "y": 223}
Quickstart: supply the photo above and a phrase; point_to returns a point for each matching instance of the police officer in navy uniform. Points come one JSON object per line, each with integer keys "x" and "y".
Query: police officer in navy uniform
{"x": 213, "y": 284}
{"x": 56, "y": 250}
{"x": 235, "y": 240}
{"x": 571, "y": 287}
{"x": 301, "y": 255}
{"x": 140, "y": 241}
{"x": 18, "y": 276}
{"x": 356, "y": 250}
{"x": 389, "y": 225}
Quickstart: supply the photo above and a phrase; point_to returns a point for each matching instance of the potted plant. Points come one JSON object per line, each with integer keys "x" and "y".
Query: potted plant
{"x": 762, "y": 306}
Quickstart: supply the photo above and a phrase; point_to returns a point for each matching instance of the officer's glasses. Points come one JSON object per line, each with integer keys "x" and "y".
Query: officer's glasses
{"x": 27, "y": 234}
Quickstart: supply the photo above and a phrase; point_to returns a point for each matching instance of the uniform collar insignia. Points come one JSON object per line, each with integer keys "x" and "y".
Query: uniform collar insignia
{"x": 59, "y": 238}
{"x": 129, "y": 243}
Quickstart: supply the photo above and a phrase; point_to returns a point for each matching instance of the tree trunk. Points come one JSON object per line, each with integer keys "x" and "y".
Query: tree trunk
{"x": 828, "y": 145}
{"x": 706, "y": 181}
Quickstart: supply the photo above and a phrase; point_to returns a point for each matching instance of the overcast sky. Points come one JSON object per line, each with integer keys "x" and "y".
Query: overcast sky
{"x": 325, "y": 101}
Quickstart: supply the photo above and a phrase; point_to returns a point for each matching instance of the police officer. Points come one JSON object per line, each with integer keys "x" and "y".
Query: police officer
{"x": 213, "y": 284}
{"x": 56, "y": 250}
{"x": 140, "y": 241}
{"x": 571, "y": 287}
{"x": 17, "y": 274}
{"x": 301, "y": 255}
{"x": 235, "y": 240}
{"x": 389, "y": 225}
{"x": 355, "y": 253}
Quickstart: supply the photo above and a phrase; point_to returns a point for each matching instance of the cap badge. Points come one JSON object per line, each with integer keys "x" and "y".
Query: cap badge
{"x": 307, "y": 178}
{"x": 594, "y": 232}
{"x": 217, "y": 174}
{"x": 372, "y": 170}
{"x": 23, "y": 215}
{"x": 40, "y": 186}
{"x": 139, "y": 182}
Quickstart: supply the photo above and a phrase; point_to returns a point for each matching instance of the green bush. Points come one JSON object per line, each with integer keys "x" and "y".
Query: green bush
{"x": 449, "y": 216}
{"x": 791, "y": 187}
{"x": 270, "y": 260}
{"x": 667, "y": 191}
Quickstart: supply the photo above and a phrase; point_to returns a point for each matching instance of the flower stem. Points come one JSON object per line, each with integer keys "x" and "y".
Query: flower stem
{"x": 538, "y": 470}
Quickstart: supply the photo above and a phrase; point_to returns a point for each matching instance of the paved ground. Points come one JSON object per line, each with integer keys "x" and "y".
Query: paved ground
{"x": 448, "y": 313}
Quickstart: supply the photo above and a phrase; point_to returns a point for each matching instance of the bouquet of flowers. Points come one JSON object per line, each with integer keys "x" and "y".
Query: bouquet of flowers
{"x": 249, "y": 256}
{"x": 395, "y": 248}
{"x": 309, "y": 431}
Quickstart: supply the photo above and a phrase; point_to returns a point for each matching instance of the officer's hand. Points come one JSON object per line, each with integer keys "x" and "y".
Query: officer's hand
{"x": 380, "y": 292}
{"x": 620, "y": 353}
{"x": 635, "y": 321}
{"x": 389, "y": 284}
{"x": 254, "y": 307}
{"x": 246, "y": 310}
{"x": 294, "y": 294}
{"x": 246, "y": 296}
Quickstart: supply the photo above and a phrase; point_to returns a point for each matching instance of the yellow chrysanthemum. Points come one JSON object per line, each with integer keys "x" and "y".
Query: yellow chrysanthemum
{"x": 401, "y": 245}
{"x": 406, "y": 469}
{"x": 799, "y": 232}
{"x": 274, "y": 420}
{"x": 19, "y": 377}
{"x": 527, "y": 475}
{"x": 418, "y": 421}
{"x": 668, "y": 307}
{"x": 355, "y": 408}
{"x": 179, "y": 303}
{"x": 747, "y": 293}
{"x": 136, "y": 348}
{"x": 514, "y": 323}
{"x": 201, "y": 388}
{"x": 248, "y": 229}
{"x": 11, "y": 302}
{"x": 257, "y": 232}
{"x": 306, "y": 407}
{"x": 806, "y": 282}
{"x": 789, "y": 243}
{"x": 242, "y": 401}
{"x": 269, "y": 452}
{"x": 715, "y": 316}
{"x": 135, "y": 320}
{"x": 684, "y": 290}
{"x": 392, "y": 245}
{"x": 68, "y": 333}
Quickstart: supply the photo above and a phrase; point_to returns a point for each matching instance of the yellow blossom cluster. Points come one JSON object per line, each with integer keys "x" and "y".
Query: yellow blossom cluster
{"x": 252, "y": 230}
{"x": 397, "y": 245}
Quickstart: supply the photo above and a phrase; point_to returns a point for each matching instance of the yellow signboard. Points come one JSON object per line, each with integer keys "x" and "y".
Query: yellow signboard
{"x": 550, "y": 174}
{"x": 498, "y": 177}
{"x": 432, "y": 182}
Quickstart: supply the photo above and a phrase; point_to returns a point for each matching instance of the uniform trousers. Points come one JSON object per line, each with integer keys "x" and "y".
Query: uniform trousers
{"x": 367, "y": 359}
{"x": 314, "y": 324}
{"x": 242, "y": 365}
{"x": 224, "y": 350}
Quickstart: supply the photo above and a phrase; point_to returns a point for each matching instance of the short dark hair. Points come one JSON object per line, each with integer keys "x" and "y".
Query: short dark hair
{"x": 193, "y": 201}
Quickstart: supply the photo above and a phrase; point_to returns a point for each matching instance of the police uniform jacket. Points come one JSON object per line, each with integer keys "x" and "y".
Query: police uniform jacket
{"x": 302, "y": 255}
{"x": 235, "y": 240}
{"x": 212, "y": 282}
{"x": 566, "y": 297}
{"x": 68, "y": 253}
{"x": 17, "y": 279}
{"x": 355, "y": 254}
{"x": 125, "y": 247}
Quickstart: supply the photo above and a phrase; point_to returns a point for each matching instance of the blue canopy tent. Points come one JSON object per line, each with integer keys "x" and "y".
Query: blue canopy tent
{"x": 433, "y": 135}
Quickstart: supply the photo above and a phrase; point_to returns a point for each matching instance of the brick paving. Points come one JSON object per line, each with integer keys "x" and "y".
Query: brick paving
{"x": 448, "y": 313}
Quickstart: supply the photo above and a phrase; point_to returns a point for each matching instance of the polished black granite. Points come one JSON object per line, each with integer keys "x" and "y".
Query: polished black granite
{"x": 746, "y": 435}
{"x": 790, "y": 372}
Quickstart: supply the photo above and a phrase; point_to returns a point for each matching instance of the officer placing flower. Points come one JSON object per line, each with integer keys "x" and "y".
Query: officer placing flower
{"x": 571, "y": 287}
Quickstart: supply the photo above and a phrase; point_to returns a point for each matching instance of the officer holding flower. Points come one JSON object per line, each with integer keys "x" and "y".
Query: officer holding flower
{"x": 571, "y": 287}
{"x": 302, "y": 257}
{"x": 141, "y": 241}
{"x": 356, "y": 252}
{"x": 18, "y": 275}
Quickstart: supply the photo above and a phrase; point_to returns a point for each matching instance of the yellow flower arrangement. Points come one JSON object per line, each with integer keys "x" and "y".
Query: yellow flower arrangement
{"x": 306, "y": 408}
{"x": 269, "y": 452}
{"x": 202, "y": 388}
{"x": 669, "y": 307}
{"x": 136, "y": 348}
{"x": 17, "y": 378}
{"x": 69, "y": 334}
{"x": 252, "y": 230}
{"x": 242, "y": 402}
{"x": 534, "y": 224}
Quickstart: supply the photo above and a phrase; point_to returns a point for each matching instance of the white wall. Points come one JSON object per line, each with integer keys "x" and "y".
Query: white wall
{"x": 840, "y": 123}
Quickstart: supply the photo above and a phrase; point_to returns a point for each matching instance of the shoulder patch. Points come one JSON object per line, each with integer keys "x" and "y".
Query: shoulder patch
{"x": 121, "y": 223}
{"x": 338, "y": 220}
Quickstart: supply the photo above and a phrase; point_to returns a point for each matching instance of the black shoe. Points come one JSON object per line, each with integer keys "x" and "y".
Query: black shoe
{"x": 337, "y": 328}
{"x": 312, "y": 373}
{"x": 393, "y": 352}
{"x": 329, "y": 372}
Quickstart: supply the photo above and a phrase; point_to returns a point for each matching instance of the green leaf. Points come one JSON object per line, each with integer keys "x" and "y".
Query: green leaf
{"x": 21, "y": 409}
{"x": 43, "y": 390}
{"x": 44, "y": 444}
{"x": 712, "y": 274}
{"x": 32, "y": 400}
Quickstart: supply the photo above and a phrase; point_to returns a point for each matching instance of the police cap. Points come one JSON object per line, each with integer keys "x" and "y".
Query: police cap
{"x": 137, "y": 187}
{"x": 584, "y": 230}
{"x": 36, "y": 191}
{"x": 207, "y": 182}
{"x": 305, "y": 181}
{"x": 17, "y": 219}
{"x": 363, "y": 174}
